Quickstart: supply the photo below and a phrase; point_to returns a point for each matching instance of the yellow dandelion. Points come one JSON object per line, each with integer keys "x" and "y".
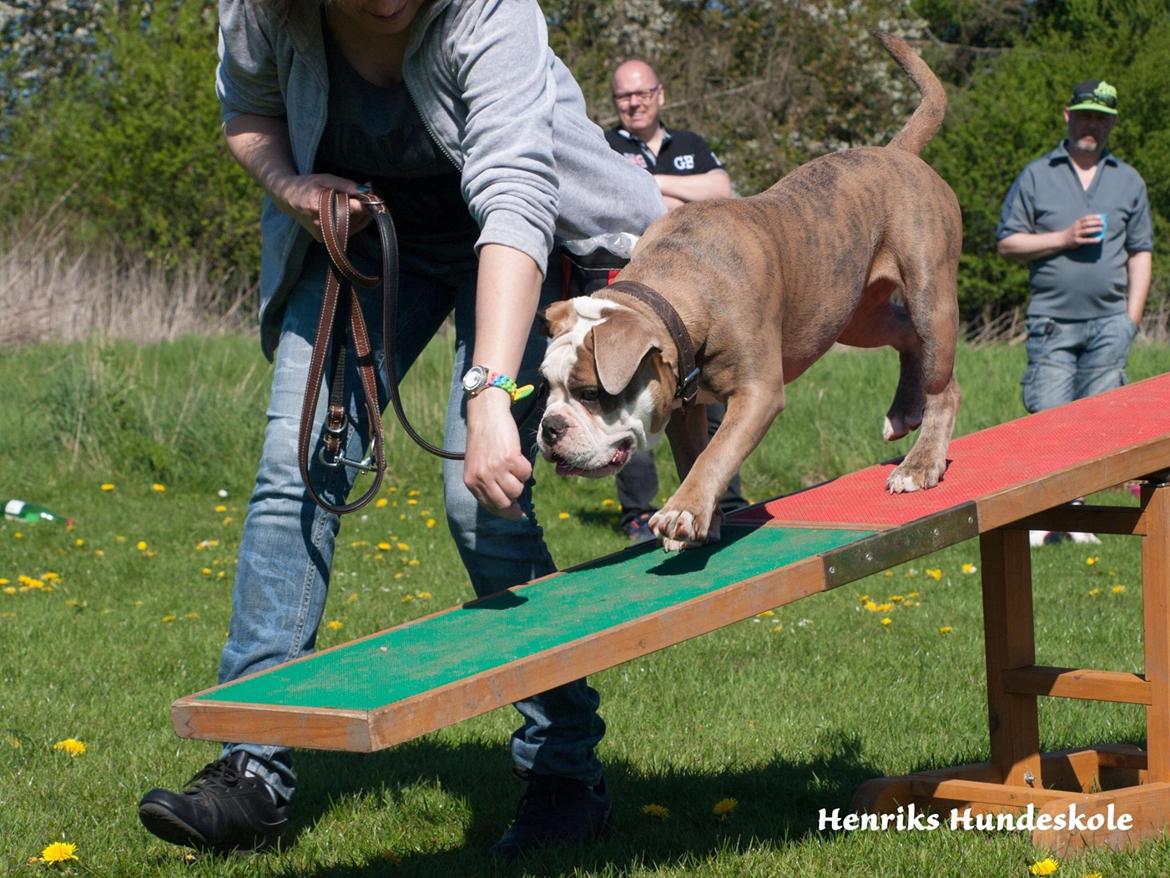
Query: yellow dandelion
{"x": 333, "y": 624}
{"x": 384, "y": 546}
{"x": 1091, "y": 561}
{"x": 724, "y": 807}
{"x": 227, "y": 520}
{"x": 141, "y": 545}
{"x": 423, "y": 595}
{"x": 888, "y": 573}
{"x": 357, "y": 544}
{"x": 206, "y": 571}
{"x": 18, "y": 535}
{"x": 403, "y": 547}
{"x": 425, "y": 513}
{"x": 72, "y": 746}
{"x": 352, "y": 599}
{"x": 14, "y": 742}
{"x": 413, "y": 562}
{"x": 10, "y": 589}
{"x": 896, "y": 598}
{"x": 59, "y": 852}
{"x": 563, "y": 516}
{"x": 158, "y": 488}
{"x": 413, "y": 492}
{"x": 1047, "y": 866}
{"x": 50, "y": 576}
{"x": 3, "y": 581}
{"x": 659, "y": 811}
{"x": 1093, "y": 592}
{"x": 934, "y": 573}
{"x": 862, "y": 598}
{"x": 7, "y": 614}
{"x": 393, "y": 489}
{"x": 192, "y": 616}
{"x": 1093, "y": 875}
{"x": 398, "y": 575}
{"x": 99, "y": 553}
{"x": 412, "y": 502}
{"x": 220, "y": 508}
{"x": 945, "y": 629}
{"x": 430, "y": 522}
{"x": 911, "y": 594}
{"x": 1118, "y": 589}
{"x": 606, "y": 503}
{"x": 911, "y": 572}
{"x": 220, "y": 575}
{"x": 73, "y": 602}
{"x": 407, "y": 598}
{"x": 108, "y": 486}
{"x": 119, "y": 538}
{"x": 169, "y": 618}
{"x": 766, "y": 614}
{"x": 79, "y": 542}
{"x": 887, "y": 621}
{"x": 380, "y": 503}
{"x": 968, "y": 568}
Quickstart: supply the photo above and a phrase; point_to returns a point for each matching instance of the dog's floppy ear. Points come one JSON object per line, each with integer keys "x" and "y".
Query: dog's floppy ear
{"x": 558, "y": 318}
{"x": 619, "y": 344}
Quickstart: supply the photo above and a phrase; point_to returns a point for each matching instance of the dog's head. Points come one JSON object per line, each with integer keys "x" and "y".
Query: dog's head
{"x": 610, "y": 372}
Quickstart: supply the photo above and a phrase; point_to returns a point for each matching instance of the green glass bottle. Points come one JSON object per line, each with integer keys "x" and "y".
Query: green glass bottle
{"x": 18, "y": 510}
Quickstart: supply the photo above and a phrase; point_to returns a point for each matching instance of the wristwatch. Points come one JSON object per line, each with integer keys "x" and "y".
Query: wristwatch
{"x": 479, "y": 378}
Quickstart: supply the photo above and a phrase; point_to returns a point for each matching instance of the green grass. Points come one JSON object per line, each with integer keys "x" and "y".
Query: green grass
{"x": 786, "y": 714}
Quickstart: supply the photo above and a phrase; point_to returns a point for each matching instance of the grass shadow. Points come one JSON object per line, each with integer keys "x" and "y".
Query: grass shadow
{"x": 777, "y": 802}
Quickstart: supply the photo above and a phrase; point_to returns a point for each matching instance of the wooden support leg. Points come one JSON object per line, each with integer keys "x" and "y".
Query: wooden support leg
{"x": 1156, "y": 609}
{"x": 1010, "y": 643}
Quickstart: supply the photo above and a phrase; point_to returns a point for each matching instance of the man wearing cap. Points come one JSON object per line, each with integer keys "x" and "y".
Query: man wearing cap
{"x": 1080, "y": 218}
{"x": 685, "y": 169}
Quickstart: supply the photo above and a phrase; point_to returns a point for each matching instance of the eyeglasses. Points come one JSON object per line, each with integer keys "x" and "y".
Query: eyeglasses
{"x": 627, "y": 97}
{"x": 1092, "y": 97}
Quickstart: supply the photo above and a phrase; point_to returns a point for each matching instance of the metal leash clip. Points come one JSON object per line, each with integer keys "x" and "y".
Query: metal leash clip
{"x": 365, "y": 465}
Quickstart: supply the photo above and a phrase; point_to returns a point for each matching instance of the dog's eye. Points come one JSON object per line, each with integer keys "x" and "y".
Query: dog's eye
{"x": 589, "y": 393}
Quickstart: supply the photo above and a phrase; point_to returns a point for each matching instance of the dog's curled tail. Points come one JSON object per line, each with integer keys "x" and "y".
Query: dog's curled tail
{"x": 928, "y": 117}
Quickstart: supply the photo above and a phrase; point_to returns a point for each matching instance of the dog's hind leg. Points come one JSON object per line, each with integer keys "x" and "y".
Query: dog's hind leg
{"x": 885, "y": 324}
{"x": 933, "y": 309}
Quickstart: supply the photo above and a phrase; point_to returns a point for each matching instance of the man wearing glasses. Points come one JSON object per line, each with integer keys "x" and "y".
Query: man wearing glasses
{"x": 685, "y": 169}
{"x": 1080, "y": 218}
{"x": 683, "y": 165}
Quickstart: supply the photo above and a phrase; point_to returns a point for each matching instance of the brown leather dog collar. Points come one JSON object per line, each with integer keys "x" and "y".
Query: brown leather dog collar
{"x": 688, "y": 371}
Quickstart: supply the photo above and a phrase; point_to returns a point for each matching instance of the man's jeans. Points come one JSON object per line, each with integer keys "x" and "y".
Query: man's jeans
{"x": 1072, "y": 359}
{"x": 286, "y": 550}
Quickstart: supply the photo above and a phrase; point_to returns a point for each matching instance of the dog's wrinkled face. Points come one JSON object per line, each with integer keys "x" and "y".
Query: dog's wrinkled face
{"x": 610, "y": 386}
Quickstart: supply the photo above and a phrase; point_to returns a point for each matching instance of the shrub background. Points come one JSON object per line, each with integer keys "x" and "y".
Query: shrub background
{"x": 112, "y": 130}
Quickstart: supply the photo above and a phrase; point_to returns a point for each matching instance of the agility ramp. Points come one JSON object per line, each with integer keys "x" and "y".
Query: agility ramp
{"x": 435, "y": 671}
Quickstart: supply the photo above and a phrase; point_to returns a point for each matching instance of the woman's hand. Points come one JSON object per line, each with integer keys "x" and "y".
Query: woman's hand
{"x": 494, "y": 470}
{"x": 299, "y": 197}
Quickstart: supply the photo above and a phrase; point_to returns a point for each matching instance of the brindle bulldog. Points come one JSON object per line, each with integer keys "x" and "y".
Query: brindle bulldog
{"x": 764, "y": 286}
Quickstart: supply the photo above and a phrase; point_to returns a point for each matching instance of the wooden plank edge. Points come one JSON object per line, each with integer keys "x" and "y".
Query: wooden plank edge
{"x": 472, "y": 696}
{"x": 318, "y": 728}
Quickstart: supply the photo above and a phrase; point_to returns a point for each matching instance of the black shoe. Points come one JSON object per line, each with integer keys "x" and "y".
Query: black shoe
{"x": 221, "y": 810}
{"x": 555, "y": 810}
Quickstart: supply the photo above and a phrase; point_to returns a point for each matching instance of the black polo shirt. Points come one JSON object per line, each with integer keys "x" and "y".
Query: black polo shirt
{"x": 682, "y": 152}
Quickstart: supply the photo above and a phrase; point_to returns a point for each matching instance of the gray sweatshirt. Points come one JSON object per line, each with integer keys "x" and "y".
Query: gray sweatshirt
{"x": 496, "y": 99}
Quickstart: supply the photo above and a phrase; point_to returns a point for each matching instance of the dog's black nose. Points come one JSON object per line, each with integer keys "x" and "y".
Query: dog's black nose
{"x": 553, "y": 428}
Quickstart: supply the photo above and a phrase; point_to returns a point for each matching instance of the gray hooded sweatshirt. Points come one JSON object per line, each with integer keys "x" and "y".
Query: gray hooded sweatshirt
{"x": 500, "y": 104}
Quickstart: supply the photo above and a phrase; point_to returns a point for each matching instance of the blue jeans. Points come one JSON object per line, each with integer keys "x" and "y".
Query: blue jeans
{"x": 286, "y": 550}
{"x": 1072, "y": 359}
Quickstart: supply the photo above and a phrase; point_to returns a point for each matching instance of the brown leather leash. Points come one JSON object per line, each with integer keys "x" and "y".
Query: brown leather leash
{"x": 340, "y": 325}
{"x": 341, "y": 317}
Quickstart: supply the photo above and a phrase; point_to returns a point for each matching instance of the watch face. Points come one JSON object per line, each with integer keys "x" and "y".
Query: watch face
{"x": 474, "y": 378}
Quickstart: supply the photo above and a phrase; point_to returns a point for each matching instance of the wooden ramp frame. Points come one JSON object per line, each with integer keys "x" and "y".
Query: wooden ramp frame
{"x": 432, "y": 672}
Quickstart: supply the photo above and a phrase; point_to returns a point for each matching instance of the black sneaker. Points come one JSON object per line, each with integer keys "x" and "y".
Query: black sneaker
{"x": 221, "y": 810}
{"x": 555, "y": 810}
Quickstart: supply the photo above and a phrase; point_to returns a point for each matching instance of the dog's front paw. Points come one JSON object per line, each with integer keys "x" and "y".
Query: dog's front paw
{"x": 681, "y": 529}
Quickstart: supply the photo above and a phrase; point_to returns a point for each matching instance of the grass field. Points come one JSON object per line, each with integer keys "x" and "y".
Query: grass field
{"x": 104, "y": 625}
